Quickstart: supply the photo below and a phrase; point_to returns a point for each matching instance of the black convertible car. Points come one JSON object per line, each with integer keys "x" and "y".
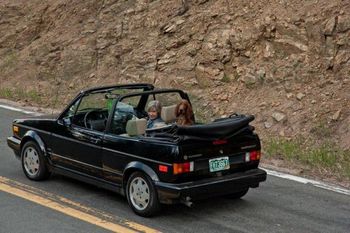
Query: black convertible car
{"x": 101, "y": 138}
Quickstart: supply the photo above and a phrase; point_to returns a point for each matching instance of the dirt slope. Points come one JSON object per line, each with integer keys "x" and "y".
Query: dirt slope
{"x": 285, "y": 61}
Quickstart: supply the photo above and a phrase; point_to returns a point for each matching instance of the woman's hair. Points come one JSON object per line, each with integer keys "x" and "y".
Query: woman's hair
{"x": 154, "y": 105}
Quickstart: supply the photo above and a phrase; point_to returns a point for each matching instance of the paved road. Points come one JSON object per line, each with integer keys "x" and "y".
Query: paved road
{"x": 278, "y": 205}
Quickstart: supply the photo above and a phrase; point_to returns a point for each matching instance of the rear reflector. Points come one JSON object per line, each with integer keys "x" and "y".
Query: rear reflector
{"x": 252, "y": 155}
{"x": 219, "y": 142}
{"x": 179, "y": 168}
{"x": 163, "y": 168}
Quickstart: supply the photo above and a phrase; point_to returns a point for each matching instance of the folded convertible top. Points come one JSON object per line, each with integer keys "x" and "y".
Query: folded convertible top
{"x": 217, "y": 129}
{"x": 220, "y": 129}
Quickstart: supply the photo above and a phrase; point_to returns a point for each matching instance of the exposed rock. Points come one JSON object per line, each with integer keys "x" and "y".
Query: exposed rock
{"x": 262, "y": 54}
{"x": 300, "y": 96}
{"x": 180, "y": 21}
{"x": 336, "y": 115}
{"x": 247, "y": 53}
{"x": 262, "y": 104}
{"x": 268, "y": 51}
{"x": 217, "y": 46}
{"x": 187, "y": 63}
{"x": 163, "y": 61}
{"x": 167, "y": 58}
{"x": 342, "y": 39}
{"x": 268, "y": 124}
{"x": 281, "y": 133}
{"x": 178, "y": 42}
{"x": 343, "y": 23}
{"x": 168, "y": 55}
{"x": 208, "y": 73}
{"x": 249, "y": 79}
{"x": 330, "y": 46}
{"x": 192, "y": 49}
{"x": 223, "y": 97}
{"x": 185, "y": 81}
{"x": 261, "y": 73}
{"x": 340, "y": 59}
{"x": 169, "y": 28}
{"x": 183, "y": 9}
{"x": 294, "y": 43}
{"x": 278, "y": 116}
{"x": 330, "y": 26}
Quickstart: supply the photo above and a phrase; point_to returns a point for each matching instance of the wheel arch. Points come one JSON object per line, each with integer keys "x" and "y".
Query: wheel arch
{"x": 33, "y": 136}
{"x": 138, "y": 166}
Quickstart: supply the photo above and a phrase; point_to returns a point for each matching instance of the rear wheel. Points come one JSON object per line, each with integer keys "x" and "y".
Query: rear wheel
{"x": 33, "y": 162}
{"x": 237, "y": 195}
{"x": 142, "y": 195}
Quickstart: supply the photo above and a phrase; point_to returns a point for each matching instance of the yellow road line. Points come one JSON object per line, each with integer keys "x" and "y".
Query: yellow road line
{"x": 63, "y": 205}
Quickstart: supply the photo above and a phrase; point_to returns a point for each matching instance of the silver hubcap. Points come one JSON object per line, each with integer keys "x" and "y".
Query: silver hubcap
{"x": 139, "y": 193}
{"x": 31, "y": 161}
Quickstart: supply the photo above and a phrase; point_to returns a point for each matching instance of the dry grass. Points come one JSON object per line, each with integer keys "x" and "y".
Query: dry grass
{"x": 14, "y": 94}
{"x": 326, "y": 157}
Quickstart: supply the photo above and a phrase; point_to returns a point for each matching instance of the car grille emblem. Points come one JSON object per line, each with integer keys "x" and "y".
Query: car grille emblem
{"x": 221, "y": 151}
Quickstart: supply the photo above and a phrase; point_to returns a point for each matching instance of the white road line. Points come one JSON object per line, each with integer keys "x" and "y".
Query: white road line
{"x": 20, "y": 110}
{"x": 308, "y": 181}
{"x": 270, "y": 172}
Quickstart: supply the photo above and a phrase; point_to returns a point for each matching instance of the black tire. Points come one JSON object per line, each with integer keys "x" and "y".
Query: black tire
{"x": 237, "y": 195}
{"x": 152, "y": 205}
{"x": 33, "y": 162}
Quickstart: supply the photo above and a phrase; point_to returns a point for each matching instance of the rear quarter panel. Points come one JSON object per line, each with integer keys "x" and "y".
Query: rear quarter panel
{"x": 119, "y": 152}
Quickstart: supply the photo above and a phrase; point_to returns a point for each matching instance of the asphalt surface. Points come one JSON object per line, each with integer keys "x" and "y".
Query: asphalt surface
{"x": 278, "y": 205}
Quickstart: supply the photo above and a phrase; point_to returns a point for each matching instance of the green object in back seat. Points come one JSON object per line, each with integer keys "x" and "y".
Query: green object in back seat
{"x": 109, "y": 105}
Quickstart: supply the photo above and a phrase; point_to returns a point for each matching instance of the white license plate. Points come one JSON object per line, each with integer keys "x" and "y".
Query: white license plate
{"x": 219, "y": 164}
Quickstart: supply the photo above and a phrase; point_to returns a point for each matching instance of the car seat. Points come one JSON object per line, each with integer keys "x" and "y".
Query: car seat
{"x": 135, "y": 127}
{"x": 168, "y": 114}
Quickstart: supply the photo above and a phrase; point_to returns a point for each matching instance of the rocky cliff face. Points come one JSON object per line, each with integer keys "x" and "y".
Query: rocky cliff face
{"x": 287, "y": 62}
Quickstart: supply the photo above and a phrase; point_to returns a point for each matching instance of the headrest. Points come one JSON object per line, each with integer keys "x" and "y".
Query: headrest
{"x": 136, "y": 127}
{"x": 168, "y": 114}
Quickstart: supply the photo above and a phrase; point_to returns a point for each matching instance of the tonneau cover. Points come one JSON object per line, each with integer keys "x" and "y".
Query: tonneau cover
{"x": 219, "y": 129}
{"x": 216, "y": 129}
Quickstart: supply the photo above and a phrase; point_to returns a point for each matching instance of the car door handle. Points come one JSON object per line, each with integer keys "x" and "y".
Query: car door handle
{"x": 77, "y": 134}
{"x": 95, "y": 140}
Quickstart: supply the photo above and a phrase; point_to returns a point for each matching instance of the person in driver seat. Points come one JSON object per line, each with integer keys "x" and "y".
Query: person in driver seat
{"x": 154, "y": 109}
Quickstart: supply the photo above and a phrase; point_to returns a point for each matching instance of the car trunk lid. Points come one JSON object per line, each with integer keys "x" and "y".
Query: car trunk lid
{"x": 226, "y": 152}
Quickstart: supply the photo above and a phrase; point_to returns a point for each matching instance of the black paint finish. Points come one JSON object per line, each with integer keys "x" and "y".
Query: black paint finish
{"x": 107, "y": 160}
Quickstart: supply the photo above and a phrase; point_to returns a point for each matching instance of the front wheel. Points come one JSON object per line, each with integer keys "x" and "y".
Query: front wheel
{"x": 141, "y": 194}
{"x": 33, "y": 162}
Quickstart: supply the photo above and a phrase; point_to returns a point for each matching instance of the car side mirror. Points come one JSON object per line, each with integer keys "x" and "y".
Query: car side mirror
{"x": 66, "y": 121}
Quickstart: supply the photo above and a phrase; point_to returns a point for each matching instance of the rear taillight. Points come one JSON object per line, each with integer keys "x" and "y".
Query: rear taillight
{"x": 179, "y": 168}
{"x": 252, "y": 155}
{"x": 163, "y": 168}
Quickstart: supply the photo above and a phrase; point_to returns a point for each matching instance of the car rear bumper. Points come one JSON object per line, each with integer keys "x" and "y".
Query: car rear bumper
{"x": 15, "y": 145}
{"x": 169, "y": 193}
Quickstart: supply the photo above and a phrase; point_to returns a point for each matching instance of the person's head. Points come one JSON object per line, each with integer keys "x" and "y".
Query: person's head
{"x": 154, "y": 108}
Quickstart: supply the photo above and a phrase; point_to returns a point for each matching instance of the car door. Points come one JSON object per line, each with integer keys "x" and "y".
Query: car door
{"x": 76, "y": 142}
{"x": 118, "y": 146}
